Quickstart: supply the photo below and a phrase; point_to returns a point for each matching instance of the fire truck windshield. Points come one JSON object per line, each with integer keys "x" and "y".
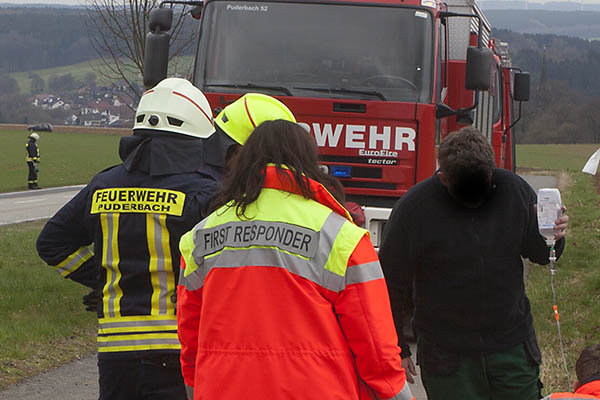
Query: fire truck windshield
{"x": 317, "y": 50}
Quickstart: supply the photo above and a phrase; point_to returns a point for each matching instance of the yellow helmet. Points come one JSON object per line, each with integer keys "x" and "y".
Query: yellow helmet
{"x": 239, "y": 118}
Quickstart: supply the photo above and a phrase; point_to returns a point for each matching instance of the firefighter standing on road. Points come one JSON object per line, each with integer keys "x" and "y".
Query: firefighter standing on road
{"x": 33, "y": 159}
{"x": 120, "y": 234}
{"x": 281, "y": 296}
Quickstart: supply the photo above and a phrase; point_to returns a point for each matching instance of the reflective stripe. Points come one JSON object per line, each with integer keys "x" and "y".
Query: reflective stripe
{"x": 143, "y": 321}
{"x": 189, "y": 391}
{"x": 150, "y": 341}
{"x": 363, "y": 273}
{"x": 328, "y": 233}
{"x": 405, "y": 394}
{"x": 110, "y": 262}
{"x": 160, "y": 265}
{"x": 74, "y": 261}
{"x": 345, "y": 242}
{"x": 314, "y": 269}
{"x": 193, "y": 281}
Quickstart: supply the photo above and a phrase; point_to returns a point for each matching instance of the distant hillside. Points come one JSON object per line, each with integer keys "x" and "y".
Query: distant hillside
{"x": 35, "y": 38}
{"x": 584, "y": 24}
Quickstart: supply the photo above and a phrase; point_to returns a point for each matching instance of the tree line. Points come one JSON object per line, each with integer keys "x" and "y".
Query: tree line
{"x": 565, "y": 89}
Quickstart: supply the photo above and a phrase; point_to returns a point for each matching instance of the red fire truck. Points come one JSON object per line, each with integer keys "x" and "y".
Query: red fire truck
{"x": 377, "y": 82}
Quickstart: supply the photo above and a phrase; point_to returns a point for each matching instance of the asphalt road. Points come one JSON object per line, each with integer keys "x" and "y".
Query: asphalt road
{"x": 34, "y": 204}
{"x": 78, "y": 380}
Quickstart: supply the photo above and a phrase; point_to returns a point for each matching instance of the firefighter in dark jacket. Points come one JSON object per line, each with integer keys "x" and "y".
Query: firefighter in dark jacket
{"x": 455, "y": 241}
{"x": 33, "y": 159}
{"x": 120, "y": 236}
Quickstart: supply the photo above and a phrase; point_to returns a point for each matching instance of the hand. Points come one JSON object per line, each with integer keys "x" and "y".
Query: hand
{"x": 560, "y": 225}
{"x": 92, "y": 299}
{"x": 410, "y": 369}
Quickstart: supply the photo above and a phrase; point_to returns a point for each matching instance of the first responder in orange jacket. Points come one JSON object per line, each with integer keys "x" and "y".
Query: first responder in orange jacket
{"x": 587, "y": 369}
{"x": 281, "y": 296}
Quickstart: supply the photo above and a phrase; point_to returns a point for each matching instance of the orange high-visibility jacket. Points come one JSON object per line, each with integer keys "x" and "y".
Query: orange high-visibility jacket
{"x": 288, "y": 304}
{"x": 590, "y": 390}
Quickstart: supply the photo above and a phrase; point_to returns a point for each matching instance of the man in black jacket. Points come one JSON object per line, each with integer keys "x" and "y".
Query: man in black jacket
{"x": 455, "y": 242}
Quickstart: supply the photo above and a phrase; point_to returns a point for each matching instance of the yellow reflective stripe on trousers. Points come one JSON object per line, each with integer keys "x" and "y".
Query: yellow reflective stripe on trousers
{"x": 74, "y": 261}
{"x": 134, "y": 342}
{"x": 134, "y": 333}
{"x": 140, "y": 323}
{"x": 112, "y": 292}
{"x": 405, "y": 394}
{"x": 160, "y": 265}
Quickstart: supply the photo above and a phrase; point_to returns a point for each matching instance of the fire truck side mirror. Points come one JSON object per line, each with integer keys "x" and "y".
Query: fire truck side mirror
{"x": 156, "y": 58}
{"x": 521, "y": 86}
{"x": 161, "y": 19}
{"x": 479, "y": 68}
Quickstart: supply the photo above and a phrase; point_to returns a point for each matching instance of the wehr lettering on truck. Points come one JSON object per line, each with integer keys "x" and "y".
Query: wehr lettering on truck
{"x": 138, "y": 200}
{"x": 364, "y": 137}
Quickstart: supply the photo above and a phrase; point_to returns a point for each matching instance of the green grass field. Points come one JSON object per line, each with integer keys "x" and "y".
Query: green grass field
{"x": 48, "y": 325}
{"x": 44, "y": 323}
{"x": 67, "y": 158}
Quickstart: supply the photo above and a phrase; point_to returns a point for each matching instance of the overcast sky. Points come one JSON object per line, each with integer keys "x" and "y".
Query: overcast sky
{"x": 80, "y": 2}
{"x": 69, "y": 2}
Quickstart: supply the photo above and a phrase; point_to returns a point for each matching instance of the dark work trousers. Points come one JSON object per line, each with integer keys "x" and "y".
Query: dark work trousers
{"x": 506, "y": 375}
{"x": 147, "y": 377}
{"x": 32, "y": 178}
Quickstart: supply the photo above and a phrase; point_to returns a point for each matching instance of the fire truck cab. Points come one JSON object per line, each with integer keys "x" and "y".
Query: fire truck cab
{"x": 377, "y": 82}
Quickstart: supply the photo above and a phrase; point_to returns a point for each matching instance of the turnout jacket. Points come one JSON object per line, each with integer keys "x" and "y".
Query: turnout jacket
{"x": 33, "y": 152}
{"x": 121, "y": 233}
{"x": 590, "y": 390}
{"x": 463, "y": 265}
{"x": 290, "y": 303}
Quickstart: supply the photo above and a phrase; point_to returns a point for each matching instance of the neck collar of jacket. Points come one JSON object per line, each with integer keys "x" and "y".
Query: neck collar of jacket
{"x": 160, "y": 153}
{"x": 592, "y": 386}
{"x": 277, "y": 178}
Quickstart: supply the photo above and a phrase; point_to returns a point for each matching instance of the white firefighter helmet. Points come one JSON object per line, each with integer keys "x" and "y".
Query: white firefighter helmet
{"x": 35, "y": 136}
{"x": 175, "y": 105}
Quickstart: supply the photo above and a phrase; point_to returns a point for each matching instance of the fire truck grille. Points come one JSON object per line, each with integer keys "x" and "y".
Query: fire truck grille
{"x": 368, "y": 185}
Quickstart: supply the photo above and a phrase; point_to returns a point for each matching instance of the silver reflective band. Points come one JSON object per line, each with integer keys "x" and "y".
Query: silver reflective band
{"x": 140, "y": 342}
{"x": 189, "y": 391}
{"x": 143, "y": 323}
{"x": 242, "y": 234}
{"x": 275, "y": 258}
{"x": 78, "y": 258}
{"x": 363, "y": 273}
{"x": 405, "y": 394}
{"x": 161, "y": 264}
{"x": 111, "y": 220}
{"x": 193, "y": 281}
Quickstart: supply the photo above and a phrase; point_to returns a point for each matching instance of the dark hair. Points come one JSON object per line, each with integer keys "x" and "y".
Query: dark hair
{"x": 467, "y": 161}
{"x": 279, "y": 142}
{"x": 588, "y": 364}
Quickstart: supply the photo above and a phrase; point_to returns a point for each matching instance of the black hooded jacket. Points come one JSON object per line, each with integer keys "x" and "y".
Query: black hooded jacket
{"x": 121, "y": 234}
{"x": 462, "y": 266}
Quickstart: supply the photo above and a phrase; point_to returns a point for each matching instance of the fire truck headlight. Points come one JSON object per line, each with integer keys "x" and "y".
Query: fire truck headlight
{"x": 324, "y": 168}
